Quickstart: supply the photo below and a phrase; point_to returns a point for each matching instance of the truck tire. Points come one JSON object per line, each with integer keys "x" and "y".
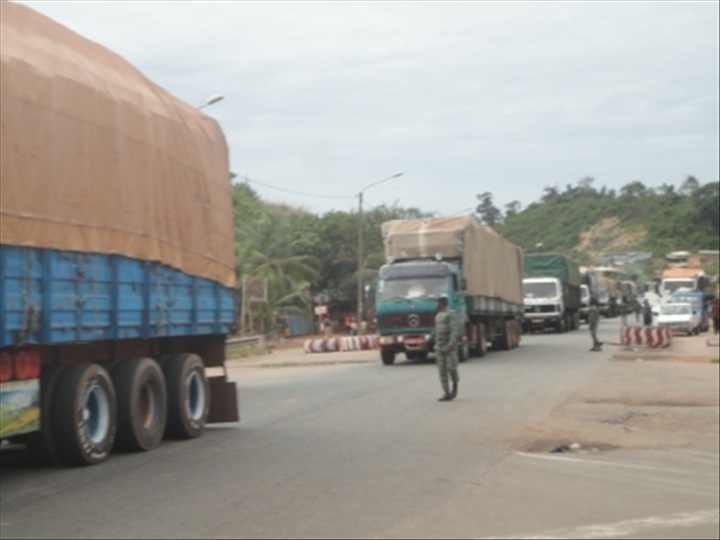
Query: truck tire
{"x": 188, "y": 396}
{"x": 516, "y": 334}
{"x": 142, "y": 404}
{"x": 503, "y": 341}
{"x": 482, "y": 341}
{"x": 41, "y": 443}
{"x": 463, "y": 351}
{"x": 84, "y": 414}
{"x": 387, "y": 356}
{"x": 560, "y": 326}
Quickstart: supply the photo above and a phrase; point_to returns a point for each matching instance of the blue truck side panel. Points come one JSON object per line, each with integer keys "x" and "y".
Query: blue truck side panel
{"x": 50, "y": 297}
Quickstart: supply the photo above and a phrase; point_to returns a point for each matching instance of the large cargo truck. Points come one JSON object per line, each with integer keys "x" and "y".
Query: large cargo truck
{"x": 551, "y": 290}
{"x": 117, "y": 278}
{"x": 459, "y": 257}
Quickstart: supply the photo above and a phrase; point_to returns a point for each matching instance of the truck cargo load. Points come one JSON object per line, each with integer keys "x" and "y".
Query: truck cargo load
{"x": 491, "y": 264}
{"x": 116, "y": 251}
{"x": 551, "y": 265}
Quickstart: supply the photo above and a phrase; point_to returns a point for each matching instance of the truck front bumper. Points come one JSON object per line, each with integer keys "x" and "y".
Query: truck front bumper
{"x": 407, "y": 343}
{"x": 541, "y": 320}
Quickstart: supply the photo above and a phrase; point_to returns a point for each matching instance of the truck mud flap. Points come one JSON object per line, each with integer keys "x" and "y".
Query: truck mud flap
{"x": 223, "y": 401}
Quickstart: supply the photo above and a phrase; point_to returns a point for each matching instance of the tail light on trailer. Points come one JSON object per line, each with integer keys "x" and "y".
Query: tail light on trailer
{"x": 6, "y": 366}
{"x": 19, "y": 365}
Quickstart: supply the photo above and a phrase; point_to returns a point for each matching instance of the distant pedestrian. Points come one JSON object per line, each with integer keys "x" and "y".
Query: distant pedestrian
{"x": 446, "y": 344}
{"x": 593, "y": 322}
{"x": 328, "y": 327}
{"x": 624, "y": 310}
{"x": 353, "y": 327}
{"x": 637, "y": 308}
{"x": 647, "y": 313}
{"x": 715, "y": 313}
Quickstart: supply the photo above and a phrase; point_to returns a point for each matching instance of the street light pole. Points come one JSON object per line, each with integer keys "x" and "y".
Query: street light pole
{"x": 211, "y": 100}
{"x": 361, "y": 264}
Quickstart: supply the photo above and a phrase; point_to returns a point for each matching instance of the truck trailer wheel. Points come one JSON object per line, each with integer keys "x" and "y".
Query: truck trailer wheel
{"x": 463, "y": 351}
{"x": 482, "y": 341}
{"x": 514, "y": 334}
{"x": 40, "y": 443}
{"x": 188, "y": 396}
{"x": 142, "y": 404}
{"x": 503, "y": 342}
{"x": 84, "y": 414}
{"x": 387, "y": 356}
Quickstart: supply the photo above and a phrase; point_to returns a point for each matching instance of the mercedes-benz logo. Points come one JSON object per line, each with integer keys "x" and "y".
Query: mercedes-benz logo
{"x": 414, "y": 319}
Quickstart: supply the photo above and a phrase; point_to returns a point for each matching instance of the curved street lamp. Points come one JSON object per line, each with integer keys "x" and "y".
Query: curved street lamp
{"x": 213, "y": 99}
{"x": 360, "y": 246}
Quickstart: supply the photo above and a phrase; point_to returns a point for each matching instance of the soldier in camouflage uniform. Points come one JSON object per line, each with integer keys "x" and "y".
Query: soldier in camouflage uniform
{"x": 446, "y": 343}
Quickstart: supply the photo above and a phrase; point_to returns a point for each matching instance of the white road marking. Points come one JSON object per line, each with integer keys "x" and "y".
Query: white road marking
{"x": 620, "y": 529}
{"x": 606, "y": 463}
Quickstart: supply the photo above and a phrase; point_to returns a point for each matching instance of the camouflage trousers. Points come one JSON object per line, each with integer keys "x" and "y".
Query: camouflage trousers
{"x": 447, "y": 364}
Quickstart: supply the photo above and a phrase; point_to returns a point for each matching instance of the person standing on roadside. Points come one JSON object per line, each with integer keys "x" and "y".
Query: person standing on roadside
{"x": 446, "y": 342}
{"x": 647, "y": 313}
{"x": 593, "y": 322}
{"x": 637, "y": 308}
{"x": 715, "y": 313}
{"x": 624, "y": 309}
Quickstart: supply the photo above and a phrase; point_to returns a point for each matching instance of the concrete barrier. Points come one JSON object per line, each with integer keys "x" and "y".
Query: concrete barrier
{"x": 645, "y": 336}
{"x": 337, "y": 344}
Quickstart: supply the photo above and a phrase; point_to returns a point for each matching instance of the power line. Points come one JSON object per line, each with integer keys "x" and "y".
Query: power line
{"x": 463, "y": 211}
{"x": 247, "y": 179}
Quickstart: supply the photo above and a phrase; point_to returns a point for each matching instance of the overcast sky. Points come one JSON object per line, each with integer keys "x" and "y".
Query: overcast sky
{"x": 324, "y": 98}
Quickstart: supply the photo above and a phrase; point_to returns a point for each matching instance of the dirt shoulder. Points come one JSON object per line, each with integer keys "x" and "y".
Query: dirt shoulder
{"x": 640, "y": 399}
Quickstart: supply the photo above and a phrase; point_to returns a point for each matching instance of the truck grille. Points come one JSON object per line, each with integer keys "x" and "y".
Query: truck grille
{"x": 540, "y": 309}
{"x": 408, "y": 320}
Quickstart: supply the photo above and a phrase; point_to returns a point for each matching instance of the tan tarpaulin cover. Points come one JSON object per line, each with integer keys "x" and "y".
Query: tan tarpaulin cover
{"x": 97, "y": 158}
{"x": 492, "y": 266}
{"x": 687, "y": 273}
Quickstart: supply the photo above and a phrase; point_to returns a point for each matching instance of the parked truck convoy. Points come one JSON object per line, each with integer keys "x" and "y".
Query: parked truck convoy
{"x": 551, "y": 291}
{"x": 478, "y": 271}
{"x": 116, "y": 252}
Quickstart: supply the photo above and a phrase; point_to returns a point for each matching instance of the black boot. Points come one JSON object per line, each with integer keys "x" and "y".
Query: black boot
{"x": 454, "y": 390}
{"x": 447, "y": 396}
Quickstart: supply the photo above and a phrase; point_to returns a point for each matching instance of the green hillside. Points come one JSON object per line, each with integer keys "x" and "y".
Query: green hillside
{"x": 582, "y": 221}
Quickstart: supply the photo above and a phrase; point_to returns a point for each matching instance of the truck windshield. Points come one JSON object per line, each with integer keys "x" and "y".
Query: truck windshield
{"x": 670, "y": 286}
{"x": 696, "y": 301}
{"x": 676, "y": 309}
{"x": 540, "y": 290}
{"x": 413, "y": 288}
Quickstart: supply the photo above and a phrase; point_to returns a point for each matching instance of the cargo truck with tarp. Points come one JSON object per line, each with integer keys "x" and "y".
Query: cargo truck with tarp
{"x": 551, "y": 292}
{"x": 479, "y": 271}
{"x": 116, "y": 251}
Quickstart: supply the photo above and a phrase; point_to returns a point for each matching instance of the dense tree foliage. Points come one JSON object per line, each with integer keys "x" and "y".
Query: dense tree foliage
{"x": 668, "y": 219}
{"x": 305, "y": 258}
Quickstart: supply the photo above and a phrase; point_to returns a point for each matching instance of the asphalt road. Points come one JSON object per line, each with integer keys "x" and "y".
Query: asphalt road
{"x": 361, "y": 450}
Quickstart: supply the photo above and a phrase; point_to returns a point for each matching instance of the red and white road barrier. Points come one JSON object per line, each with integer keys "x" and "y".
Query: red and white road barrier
{"x": 336, "y": 344}
{"x": 645, "y": 336}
